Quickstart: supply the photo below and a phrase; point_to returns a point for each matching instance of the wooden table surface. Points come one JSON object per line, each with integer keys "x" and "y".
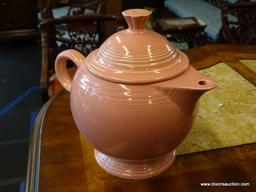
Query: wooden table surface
{"x": 60, "y": 161}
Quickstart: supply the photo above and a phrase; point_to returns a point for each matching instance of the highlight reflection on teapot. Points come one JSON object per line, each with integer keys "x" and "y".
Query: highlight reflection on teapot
{"x": 133, "y": 98}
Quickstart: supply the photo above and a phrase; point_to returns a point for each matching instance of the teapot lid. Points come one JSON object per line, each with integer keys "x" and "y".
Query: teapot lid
{"x": 137, "y": 55}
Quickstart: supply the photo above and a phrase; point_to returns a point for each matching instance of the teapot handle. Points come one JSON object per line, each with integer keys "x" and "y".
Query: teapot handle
{"x": 61, "y": 68}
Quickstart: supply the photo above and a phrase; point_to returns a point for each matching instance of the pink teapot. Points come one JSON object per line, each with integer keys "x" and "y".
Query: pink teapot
{"x": 133, "y": 98}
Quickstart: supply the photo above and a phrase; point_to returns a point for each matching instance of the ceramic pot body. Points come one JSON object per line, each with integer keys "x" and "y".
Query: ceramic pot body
{"x": 133, "y": 99}
{"x": 127, "y": 121}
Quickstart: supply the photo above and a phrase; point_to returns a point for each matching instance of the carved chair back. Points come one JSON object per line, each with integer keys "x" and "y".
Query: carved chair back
{"x": 74, "y": 31}
{"x": 241, "y": 30}
{"x": 71, "y": 7}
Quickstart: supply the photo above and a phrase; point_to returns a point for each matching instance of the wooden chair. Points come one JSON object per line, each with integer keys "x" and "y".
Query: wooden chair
{"x": 73, "y": 7}
{"x": 75, "y": 24}
{"x": 243, "y": 29}
{"x": 82, "y": 32}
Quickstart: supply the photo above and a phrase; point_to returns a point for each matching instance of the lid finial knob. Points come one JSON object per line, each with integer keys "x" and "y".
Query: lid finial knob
{"x": 136, "y": 18}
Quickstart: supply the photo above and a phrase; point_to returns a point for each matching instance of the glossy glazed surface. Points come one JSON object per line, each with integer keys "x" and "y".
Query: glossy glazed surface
{"x": 120, "y": 59}
{"x": 137, "y": 55}
{"x": 133, "y": 101}
{"x": 135, "y": 169}
{"x": 139, "y": 117}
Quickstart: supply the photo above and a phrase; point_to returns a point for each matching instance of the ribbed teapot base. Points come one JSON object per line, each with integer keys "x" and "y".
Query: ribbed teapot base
{"x": 134, "y": 169}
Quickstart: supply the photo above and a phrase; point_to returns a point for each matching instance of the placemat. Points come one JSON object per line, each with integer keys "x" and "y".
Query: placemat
{"x": 226, "y": 115}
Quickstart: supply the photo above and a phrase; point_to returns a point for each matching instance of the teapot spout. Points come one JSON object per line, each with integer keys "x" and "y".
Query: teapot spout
{"x": 186, "y": 89}
{"x": 190, "y": 80}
